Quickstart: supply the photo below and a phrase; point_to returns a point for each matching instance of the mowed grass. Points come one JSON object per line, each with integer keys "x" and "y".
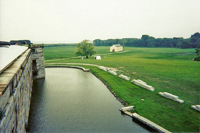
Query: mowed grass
{"x": 59, "y": 52}
{"x": 166, "y": 69}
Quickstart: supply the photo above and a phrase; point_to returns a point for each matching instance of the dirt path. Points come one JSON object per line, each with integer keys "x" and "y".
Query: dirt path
{"x": 111, "y": 68}
{"x": 74, "y": 64}
{"x": 81, "y": 56}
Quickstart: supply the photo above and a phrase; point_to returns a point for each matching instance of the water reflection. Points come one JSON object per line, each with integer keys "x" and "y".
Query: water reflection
{"x": 70, "y": 100}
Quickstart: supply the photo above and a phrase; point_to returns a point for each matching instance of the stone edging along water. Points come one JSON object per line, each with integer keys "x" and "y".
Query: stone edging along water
{"x": 82, "y": 68}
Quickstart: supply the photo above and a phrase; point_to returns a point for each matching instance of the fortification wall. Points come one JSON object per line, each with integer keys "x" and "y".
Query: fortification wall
{"x": 15, "y": 99}
{"x": 38, "y": 62}
{"x": 16, "y": 89}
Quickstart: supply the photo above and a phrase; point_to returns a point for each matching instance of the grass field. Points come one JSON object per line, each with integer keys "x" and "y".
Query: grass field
{"x": 166, "y": 69}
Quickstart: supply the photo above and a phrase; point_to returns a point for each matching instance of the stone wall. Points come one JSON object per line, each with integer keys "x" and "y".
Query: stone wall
{"x": 15, "y": 96}
{"x": 16, "y": 88}
{"x": 38, "y": 62}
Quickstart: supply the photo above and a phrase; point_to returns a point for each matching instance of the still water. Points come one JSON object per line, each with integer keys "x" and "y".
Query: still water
{"x": 70, "y": 100}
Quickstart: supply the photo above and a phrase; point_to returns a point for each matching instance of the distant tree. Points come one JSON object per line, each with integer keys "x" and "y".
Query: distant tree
{"x": 183, "y": 44}
{"x": 123, "y": 42}
{"x": 197, "y": 35}
{"x": 85, "y": 48}
{"x": 150, "y": 41}
{"x": 98, "y": 42}
{"x": 146, "y": 40}
{"x": 195, "y": 40}
{"x": 197, "y": 51}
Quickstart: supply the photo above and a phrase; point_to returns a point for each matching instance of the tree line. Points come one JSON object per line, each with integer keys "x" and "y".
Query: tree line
{"x": 149, "y": 41}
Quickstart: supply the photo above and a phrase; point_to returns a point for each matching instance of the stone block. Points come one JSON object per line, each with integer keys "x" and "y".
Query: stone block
{"x": 196, "y": 107}
{"x": 171, "y": 96}
{"x": 141, "y": 81}
{"x": 5, "y": 97}
{"x": 8, "y": 112}
{"x": 112, "y": 72}
{"x": 103, "y": 68}
{"x": 142, "y": 84}
{"x": 127, "y": 108}
{"x": 37, "y": 56}
{"x": 38, "y": 50}
{"x": 12, "y": 123}
{"x": 124, "y": 77}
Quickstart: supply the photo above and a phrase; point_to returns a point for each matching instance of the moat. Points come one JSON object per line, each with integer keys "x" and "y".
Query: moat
{"x": 70, "y": 100}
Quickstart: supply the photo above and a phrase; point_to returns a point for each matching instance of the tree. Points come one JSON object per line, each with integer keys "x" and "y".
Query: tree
{"x": 98, "y": 42}
{"x": 145, "y": 39}
{"x": 197, "y": 51}
{"x": 85, "y": 48}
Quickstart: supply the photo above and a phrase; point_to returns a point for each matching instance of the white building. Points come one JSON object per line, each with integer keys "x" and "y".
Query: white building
{"x": 97, "y": 57}
{"x": 116, "y": 48}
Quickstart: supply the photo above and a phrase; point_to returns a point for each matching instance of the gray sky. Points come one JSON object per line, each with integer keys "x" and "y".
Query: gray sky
{"x": 71, "y": 21}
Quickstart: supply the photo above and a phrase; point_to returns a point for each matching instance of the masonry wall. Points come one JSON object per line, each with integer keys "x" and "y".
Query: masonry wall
{"x": 38, "y": 62}
{"x": 16, "y": 97}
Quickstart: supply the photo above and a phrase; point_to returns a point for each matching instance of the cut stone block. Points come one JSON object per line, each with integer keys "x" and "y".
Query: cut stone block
{"x": 112, "y": 72}
{"x": 142, "y": 84}
{"x": 103, "y": 68}
{"x": 196, "y": 107}
{"x": 127, "y": 108}
{"x": 124, "y": 77}
{"x": 171, "y": 96}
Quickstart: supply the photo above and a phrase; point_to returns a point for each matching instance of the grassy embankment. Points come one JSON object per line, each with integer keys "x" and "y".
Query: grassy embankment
{"x": 166, "y": 69}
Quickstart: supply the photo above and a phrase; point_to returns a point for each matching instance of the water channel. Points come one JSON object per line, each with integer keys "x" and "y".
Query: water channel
{"x": 70, "y": 100}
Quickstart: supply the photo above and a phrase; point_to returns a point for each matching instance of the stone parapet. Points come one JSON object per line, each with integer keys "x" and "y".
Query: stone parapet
{"x": 15, "y": 95}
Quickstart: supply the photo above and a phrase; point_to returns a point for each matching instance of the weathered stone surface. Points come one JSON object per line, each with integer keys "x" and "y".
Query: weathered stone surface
{"x": 196, "y": 107}
{"x": 150, "y": 123}
{"x": 38, "y": 50}
{"x": 15, "y": 100}
{"x": 124, "y": 77}
{"x": 142, "y": 84}
{"x": 127, "y": 108}
{"x": 103, "y": 68}
{"x": 38, "y": 62}
{"x": 171, "y": 96}
{"x": 112, "y": 72}
{"x": 4, "y": 98}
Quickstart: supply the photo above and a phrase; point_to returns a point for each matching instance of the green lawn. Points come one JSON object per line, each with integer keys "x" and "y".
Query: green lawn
{"x": 59, "y": 52}
{"x": 166, "y": 69}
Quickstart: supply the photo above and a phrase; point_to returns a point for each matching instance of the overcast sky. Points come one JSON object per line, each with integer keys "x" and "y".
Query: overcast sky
{"x": 71, "y": 21}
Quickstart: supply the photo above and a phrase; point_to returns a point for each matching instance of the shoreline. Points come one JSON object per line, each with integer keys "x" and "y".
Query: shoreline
{"x": 88, "y": 70}
{"x": 146, "y": 126}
